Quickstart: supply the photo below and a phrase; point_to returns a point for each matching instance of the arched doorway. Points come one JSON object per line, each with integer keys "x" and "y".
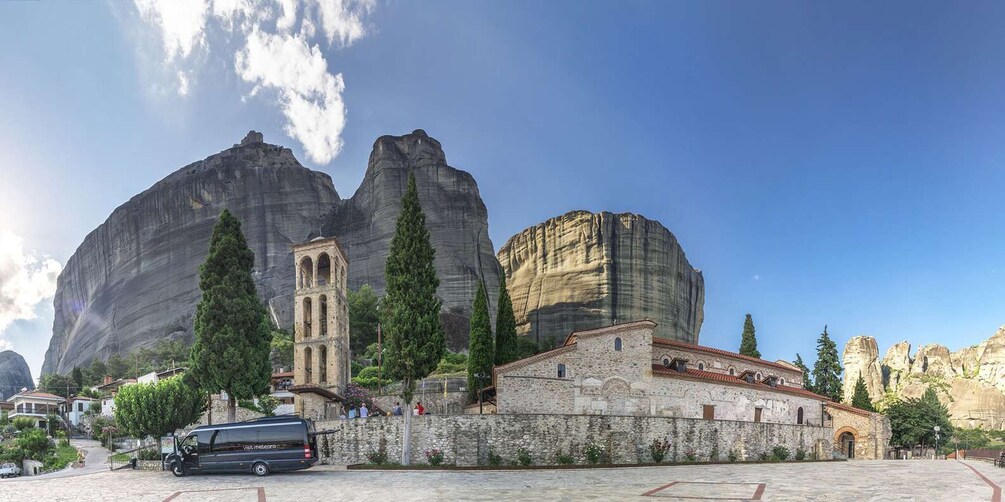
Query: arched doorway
{"x": 844, "y": 439}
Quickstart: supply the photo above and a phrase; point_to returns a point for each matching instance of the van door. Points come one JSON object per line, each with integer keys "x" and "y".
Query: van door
{"x": 212, "y": 446}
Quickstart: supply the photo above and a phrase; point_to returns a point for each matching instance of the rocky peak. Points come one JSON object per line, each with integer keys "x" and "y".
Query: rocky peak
{"x": 251, "y": 138}
{"x": 14, "y": 374}
{"x": 411, "y": 150}
{"x": 861, "y": 357}
{"x": 933, "y": 359}
{"x": 897, "y": 364}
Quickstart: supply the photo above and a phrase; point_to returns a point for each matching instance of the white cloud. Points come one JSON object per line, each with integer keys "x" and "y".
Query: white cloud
{"x": 757, "y": 277}
{"x": 25, "y": 281}
{"x": 268, "y": 52}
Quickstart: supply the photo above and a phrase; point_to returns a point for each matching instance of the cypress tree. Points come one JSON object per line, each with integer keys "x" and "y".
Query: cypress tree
{"x": 860, "y": 399}
{"x": 506, "y": 341}
{"x": 410, "y": 316}
{"x": 827, "y": 369}
{"x": 807, "y": 380}
{"x": 748, "y": 342}
{"x": 78, "y": 378}
{"x": 480, "y": 350}
{"x": 232, "y": 332}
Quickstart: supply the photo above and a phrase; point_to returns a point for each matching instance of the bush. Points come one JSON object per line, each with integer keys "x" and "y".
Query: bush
{"x": 593, "y": 451}
{"x": 763, "y": 457}
{"x": 378, "y": 457}
{"x": 523, "y": 456}
{"x": 690, "y": 455}
{"x": 800, "y": 454}
{"x": 23, "y": 423}
{"x": 779, "y": 453}
{"x": 564, "y": 459}
{"x": 732, "y": 457}
{"x": 494, "y": 459}
{"x": 34, "y": 444}
{"x": 148, "y": 454}
{"x": 658, "y": 450}
{"x": 434, "y": 456}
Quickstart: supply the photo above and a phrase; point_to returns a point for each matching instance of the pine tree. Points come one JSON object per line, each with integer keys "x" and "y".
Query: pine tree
{"x": 480, "y": 349}
{"x": 78, "y": 378}
{"x": 232, "y": 331}
{"x": 860, "y": 399}
{"x": 748, "y": 342}
{"x": 506, "y": 341}
{"x": 827, "y": 369}
{"x": 410, "y": 315}
{"x": 807, "y": 380}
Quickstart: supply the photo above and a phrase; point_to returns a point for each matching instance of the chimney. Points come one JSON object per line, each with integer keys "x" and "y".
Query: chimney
{"x": 107, "y": 380}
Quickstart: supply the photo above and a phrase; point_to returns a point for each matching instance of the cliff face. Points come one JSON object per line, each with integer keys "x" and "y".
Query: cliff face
{"x": 134, "y": 279}
{"x": 14, "y": 374}
{"x": 583, "y": 270}
{"x": 970, "y": 381}
{"x": 455, "y": 216}
{"x": 861, "y": 357}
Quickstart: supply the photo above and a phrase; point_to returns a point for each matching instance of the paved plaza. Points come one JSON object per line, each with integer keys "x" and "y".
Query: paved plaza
{"x": 838, "y": 481}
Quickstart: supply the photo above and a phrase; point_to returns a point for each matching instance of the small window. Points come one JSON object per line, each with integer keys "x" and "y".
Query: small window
{"x": 757, "y": 415}
{"x": 799, "y": 416}
{"x": 758, "y": 376}
{"x": 708, "y": 412}
{"x": 666, "y": 362}
{"x": 701, "y": 366}
{"x": 561, "y": 371}
{"x": 732, "y": 372}
{"x": 617, "y": 344}
{"x": 781, "y": 381}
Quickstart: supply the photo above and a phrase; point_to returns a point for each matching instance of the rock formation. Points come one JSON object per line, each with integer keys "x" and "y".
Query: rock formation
{"x": 861, "y": 357}
{"x": 970, "y": 381}
{"x": 14, "y": 374}
{"x": 134, "y": 279}
{"x": 455, "y": 216}
{"x": 582, "y": 270}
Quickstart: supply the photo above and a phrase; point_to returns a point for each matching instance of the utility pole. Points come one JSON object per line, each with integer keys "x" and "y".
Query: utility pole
{"x": 380, "y": 362}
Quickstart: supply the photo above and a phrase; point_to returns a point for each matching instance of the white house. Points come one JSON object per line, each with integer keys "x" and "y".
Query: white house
{"x": 35, "y": 405}
{"x": 108, "y": 390}
{"x": 76, "y": 408}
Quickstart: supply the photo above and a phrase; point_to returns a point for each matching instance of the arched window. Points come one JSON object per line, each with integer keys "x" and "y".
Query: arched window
{"x": 306, "y": 273}
{"x": 666, "y": 362}
{"x": 308, "y": 365}
{"x": 322, "y": 364}
{"x": 701, "y": 366}
{"x": 617, "y": 344}
{"x": 324, "y": 269}
{"x": 799, "y": 416}
{"x": 781, "y": 381}
{"x": 732, "y": 371}
{"x": 323, "y": 315}
{"x": 308, "y": 314}
{"x": 758, "y": 376}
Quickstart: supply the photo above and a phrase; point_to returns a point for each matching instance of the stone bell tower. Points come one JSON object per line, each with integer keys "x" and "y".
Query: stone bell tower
{"x": 321, "y": 366}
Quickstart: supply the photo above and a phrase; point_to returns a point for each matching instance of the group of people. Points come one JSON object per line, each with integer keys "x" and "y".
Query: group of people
{"x": 364, "y": 412}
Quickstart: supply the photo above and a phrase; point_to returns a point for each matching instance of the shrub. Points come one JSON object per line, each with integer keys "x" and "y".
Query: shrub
{"x": 593, "y": 451}
{"x": 523, "y": 456}
{"x": 713, "y": 454}
{"x": 800, "y": 454}
{"x": 658, "y": 450}
{"x": 763, "y": 457}
{"x": 494, "y": 459}
{"x": 34, "y": 444}
{"x": 732, "y": 457}
{"x": 148, "y": 454}
{"x": 779, "y": 453}
{"x": 23, "y": 423}
{"x": 378, "y": 457}
{"x": 564, "y": 459}
{"x": 434, "y": 456}
{"x": 690, "y": 455}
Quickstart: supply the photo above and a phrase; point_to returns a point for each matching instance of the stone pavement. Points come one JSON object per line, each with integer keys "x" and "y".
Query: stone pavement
{"x": 924, "y": 480}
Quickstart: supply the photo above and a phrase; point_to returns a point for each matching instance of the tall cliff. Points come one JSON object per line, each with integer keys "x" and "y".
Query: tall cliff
{"x": 134, "y": 279}
{"x": 14, "y": 374}
{"x": 970, "y": 381}
{"x": 455, "y": 216}
{"x": 582, "y": 270}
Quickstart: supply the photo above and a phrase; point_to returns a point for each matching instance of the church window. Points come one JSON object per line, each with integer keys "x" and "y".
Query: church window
{"x": 617, "y": 344}
{"x": 666, "y": 362}
{"x": 799, "y": 416}
{"x": 781, "y": 381}
{"x": 732, "y": 371}
{"x": 758, "y": 376}
{"x": 561, "y": 370}
{"x": 701, "y": 366}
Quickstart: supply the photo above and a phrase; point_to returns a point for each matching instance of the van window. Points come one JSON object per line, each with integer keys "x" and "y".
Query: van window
{"x": 276, "y": 437}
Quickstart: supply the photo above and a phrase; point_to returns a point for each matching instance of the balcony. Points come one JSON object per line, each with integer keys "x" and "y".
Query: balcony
{"x": 40, "y": 411}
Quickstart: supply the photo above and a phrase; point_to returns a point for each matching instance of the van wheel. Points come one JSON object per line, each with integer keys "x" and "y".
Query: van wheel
{"x": 178, "y": 469}
{"x": 260, "y": 469}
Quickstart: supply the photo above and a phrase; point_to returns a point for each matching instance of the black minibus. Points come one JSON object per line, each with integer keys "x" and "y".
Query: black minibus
{"x": 264, "y": 445}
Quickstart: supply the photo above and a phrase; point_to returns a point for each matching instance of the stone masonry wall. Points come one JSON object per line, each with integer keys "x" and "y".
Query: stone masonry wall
{"x": 872, "y": 432}
{"x": 467, "y": 439}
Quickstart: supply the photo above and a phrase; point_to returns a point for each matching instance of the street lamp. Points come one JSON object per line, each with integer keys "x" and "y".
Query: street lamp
{"x": 480, "y": 377}
{"x": 936, "y": 429}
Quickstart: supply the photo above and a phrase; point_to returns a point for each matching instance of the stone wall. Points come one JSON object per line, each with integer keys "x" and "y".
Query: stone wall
{"x": 871, "y": 431}
{"x": 467, "y": 439}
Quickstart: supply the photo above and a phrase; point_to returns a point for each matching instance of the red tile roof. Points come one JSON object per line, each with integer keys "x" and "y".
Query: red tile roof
{"x": 666, "y": 342}
{"x": 693, "y": 374}
{"x": 535, "y": 358}
{"x": 285, "y": 374}
{"x": 39, "y": 394}
{"x": 604, "y": 330}
{"x": 850, "y": 409}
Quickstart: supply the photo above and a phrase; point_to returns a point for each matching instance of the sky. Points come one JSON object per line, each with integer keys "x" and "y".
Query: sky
{"x": 821, "y": 163}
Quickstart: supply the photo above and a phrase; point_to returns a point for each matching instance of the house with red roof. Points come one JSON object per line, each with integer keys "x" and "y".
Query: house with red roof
{"x": 35, "y": 405}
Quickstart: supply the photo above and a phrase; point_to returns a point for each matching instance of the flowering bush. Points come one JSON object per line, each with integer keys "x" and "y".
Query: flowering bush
{"x": 355, "y": 396}
{"x": 593, "y": 451}
{"x": 659, "y": 449}
{"x": 690, "y": 455}
{"x": 434, "y": 456}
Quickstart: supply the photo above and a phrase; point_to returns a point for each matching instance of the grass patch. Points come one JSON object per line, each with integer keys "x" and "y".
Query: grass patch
{"x": 62, "y": 456}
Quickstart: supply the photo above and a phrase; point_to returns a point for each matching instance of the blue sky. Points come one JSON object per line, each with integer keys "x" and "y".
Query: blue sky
{"x": 821, "y": 163}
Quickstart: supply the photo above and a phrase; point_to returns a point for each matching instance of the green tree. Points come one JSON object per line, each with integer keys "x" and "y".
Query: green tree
{"x": 232, "y": 333}
{"x": 281, "y": 350}
{"x": 157, "y": 409}
{"x": 860, "y": 399}
{"x": 913, "y": 421}
{"x": 506, "y": 343}
{"x": 363, "y": 318}
{"x": 827, "y": 369}
{"x": 60, "y": 385}
{"x": 807, "y": 380}
{"x": 117, "y": 366}
{"x": 410, "y": 315}
{"x": 748, "y": 342}
{"x": 480, "y": 350}
{"x": 78, "y": 377}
